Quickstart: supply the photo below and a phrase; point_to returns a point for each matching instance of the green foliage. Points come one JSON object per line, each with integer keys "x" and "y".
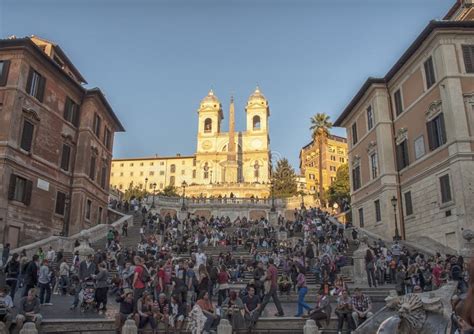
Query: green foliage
{"x": 340, "y": 189}
{"x": 320, "y": 126}
{"x": 134, "y": 192}
{"x": 284, "y": 180}
{"x": 169, "y": 191}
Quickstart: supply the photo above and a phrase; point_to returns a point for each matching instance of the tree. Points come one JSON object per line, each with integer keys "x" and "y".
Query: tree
{"x": 284, "y": 179}
{"x": 320, "y": 126}
{"x": 339, "y": 191}
{"x": 169, "y": 191}
{"x": 133, "y": 192}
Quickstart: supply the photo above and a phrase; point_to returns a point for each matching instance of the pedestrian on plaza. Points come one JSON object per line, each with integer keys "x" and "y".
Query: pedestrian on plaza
{"x": 302, "y": 291}
{"x": 125, "y": 229}
{"x": 13, "y": 272}
{"x": 370, "y": 268}
{"x": 87, "y": 270}
{"x": 344, "y": 312}
{"x": 31, "y": 274}
{"x": 44, "y": 282}
{"x": 64, "y": 270}
{"x": 102, "y": 286}
{"x": 271, "y": 276}
{"x": 6, "y": 254}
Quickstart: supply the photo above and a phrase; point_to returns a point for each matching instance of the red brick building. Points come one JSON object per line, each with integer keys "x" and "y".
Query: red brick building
{"x": 56, "y": 140}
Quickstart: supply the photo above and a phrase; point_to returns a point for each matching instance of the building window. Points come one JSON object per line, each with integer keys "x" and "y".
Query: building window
{"x": 92, "y": 166}
{"x": 71, "y": 112}
{"x": 173, "y": 168}
{"x": 65, "y": 157}
{"x": 183, "y": 172}
{"x": 121, "y": 165}
{"x": 206, "y": 171}
{"x": 332, "y": 168}
{"x": 4, "y": 66}
{"x": 333, "y": 158}
{"x": 162, "y": 163}
{"x": 161, "y": 185}
{"x": 88, "y": 209}
{"x": 151, "y": 173}
{"x": 398, "y": 102}
{"x": 131, "y": 164}
{"x": 256, "y": 123}
{"x": 97, "y": 122}
{"x": 208, "y": 125}
{"x": 194, "y": 173}
{"x": 374, "y": 165}
{"x": 333, "y": 179}
{"x": 151, "y": 163}
{"x": 60, "y": 203}
{"x": 183, "y": 162}
{"x": 99, "y": 219}
{"x": 107, "y": 138}
{"x": 121, "y": 173}
{"x": 436, "y": 132}
{"x": 378, "y": 213}
{"x": 342, "y": 160}
{"x": 468, "y": 55}
{"x": 172, "y": 180}
{"x": 27, "y": 135}
{"x": 361, "y": 217}
{"x": 103, "y": 175}
{"x": 35, "y": 85}
{"x": 162, "y": 172}
{"x": 311, "y": 176}
{"x": 370, "y": 118}
{"x": 20, "y": 189}
{"x": 356, "y": 178}
{"x": 120, "y": 186}
{"x": 445, "y": 189}
{"x": 194, "y": 162}
{"x": 408, "y": 204}
{"x": 141, "y": 173}
{"x": 429, "y": 73}
{"x": 402, "y": 155}
{"x": 354, "y": 134}
{"x": 131, "y": 173}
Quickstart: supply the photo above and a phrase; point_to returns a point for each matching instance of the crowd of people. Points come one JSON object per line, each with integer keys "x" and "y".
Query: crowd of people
{"x": 198, "y": 271}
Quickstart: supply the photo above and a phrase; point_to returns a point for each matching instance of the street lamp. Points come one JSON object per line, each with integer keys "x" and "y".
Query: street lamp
{"x": 154, "y": 190}
{"x": 396, "y": 237}
{"x": 183, "y": 205}
{"x": 272, "y": 209}
{"x": 146, "y": 182}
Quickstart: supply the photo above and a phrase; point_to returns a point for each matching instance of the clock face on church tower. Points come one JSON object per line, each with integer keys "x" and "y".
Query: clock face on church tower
{"x": 256, "y": 144}
{"x": 206, "y": 145}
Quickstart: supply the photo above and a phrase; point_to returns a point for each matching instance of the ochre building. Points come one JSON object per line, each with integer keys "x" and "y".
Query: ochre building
{"x": 411, "y": 137}
{"x": 56, "y": 140}
{"x": 225, "y": 163}
{"x": 334, "y": 155}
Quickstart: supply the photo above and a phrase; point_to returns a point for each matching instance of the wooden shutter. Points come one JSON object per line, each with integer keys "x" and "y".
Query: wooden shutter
{"x": 443, "y": 138}
{"x": 30, "y": 80}
{"x": 430, "y": 128}
{"x": 65, "y": 157}
{"x": 11, "y": 187}
{"x": 41, "y": 85}
{"x": 468, "y": 55}
{"x": 92, "y": 168}
{"x": 75, "y": 119}
{"x": 4, "y": 74}
{"x": 27, "y": 136}
{"x": 28, "y": 191}
{"x": 399, "y": 157}
{"x": 67, "y": 108}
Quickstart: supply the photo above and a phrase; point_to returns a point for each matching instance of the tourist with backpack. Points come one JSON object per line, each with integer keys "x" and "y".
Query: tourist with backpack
{"x": 140, "y": 278}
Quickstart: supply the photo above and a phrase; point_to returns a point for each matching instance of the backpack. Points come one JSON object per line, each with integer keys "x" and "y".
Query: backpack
{"x": 145, "y": 276}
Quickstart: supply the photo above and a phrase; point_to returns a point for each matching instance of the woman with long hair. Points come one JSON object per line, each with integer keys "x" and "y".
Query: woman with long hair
{"x": 370, "y": 268}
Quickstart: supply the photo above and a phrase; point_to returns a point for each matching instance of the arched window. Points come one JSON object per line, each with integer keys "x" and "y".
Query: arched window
{"x": 256, "y": 170}
{"x": 173, "y": 168}
{"x": 256, "y": 122}
{"x": 206, "y": 171}
{"x": 208, "y": 125}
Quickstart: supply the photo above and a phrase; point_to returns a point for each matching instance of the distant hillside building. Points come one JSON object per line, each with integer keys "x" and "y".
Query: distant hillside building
{"x": 334, "y": 155}
{"x": 56, "y": 143}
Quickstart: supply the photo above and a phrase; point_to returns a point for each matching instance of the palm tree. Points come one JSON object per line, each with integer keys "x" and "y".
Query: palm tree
{"x": 320, "y": 126}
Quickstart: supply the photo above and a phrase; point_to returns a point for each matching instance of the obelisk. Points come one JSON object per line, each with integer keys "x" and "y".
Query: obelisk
{"x": 231, "y": 164}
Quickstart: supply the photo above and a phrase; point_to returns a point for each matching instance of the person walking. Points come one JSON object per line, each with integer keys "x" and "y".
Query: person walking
{"x": 13, "y": 272}
{"x": 87, "y": 269}
{"x": 31, "y": 274}
{"x": 271, "y": 276}
{"x": 370, "y": 268}
{"x": 302, "y": 291}
{"x": 102, "y": 287}
{"x": 44, "y": 282}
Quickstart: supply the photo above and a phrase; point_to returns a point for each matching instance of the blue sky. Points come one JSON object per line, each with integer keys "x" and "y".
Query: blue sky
{"x": 156, "y": 59}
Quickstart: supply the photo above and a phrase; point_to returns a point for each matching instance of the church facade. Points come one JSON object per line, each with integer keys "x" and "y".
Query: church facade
{"x": 229, "y": 163}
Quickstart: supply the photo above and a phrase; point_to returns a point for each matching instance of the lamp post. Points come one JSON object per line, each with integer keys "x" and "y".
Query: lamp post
{"x": 396, "y": 237}
{"x": 183, "y": 205}
{"x": 154, "y": 190}
{"x": 272, "y": 209}
{"x": 146, "y": 182}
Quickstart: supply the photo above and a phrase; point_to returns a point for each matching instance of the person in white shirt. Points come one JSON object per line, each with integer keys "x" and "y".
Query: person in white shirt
{"x": 51, "y": 254}
{"x": 201, "y": 258}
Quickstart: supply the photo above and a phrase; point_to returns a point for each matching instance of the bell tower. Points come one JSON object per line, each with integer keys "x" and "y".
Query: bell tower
{"x": 257, "y": 112}
{"x": 210, "y": 118}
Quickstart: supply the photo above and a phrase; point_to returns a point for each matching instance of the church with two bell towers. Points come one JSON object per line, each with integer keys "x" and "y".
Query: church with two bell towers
{"x": 228, "y": 163}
